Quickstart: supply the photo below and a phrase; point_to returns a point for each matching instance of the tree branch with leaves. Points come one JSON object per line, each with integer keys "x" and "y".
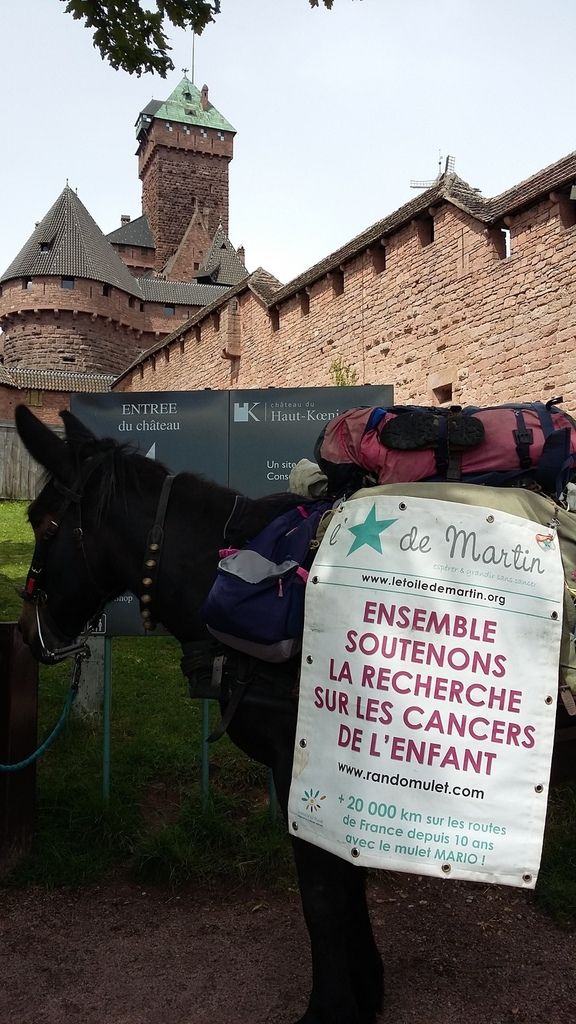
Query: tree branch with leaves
{"x": 134, "y": 39}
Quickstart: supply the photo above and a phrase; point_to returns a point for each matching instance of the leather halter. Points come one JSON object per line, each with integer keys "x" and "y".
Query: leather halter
{"x": 32, "y": 592}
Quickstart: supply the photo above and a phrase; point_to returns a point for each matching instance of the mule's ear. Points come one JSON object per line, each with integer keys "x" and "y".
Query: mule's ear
{"x": 76, "y": 432}
{"x": 43, "y": 444}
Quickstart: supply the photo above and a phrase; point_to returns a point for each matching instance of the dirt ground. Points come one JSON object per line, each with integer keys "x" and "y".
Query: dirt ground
{"x": 119, "y": 954}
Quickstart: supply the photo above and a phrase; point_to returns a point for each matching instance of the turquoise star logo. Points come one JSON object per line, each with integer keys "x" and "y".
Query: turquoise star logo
{"x": 369, "y": 532}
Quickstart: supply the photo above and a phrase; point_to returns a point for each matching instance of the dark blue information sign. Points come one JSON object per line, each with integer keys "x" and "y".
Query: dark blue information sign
{"x": 272, "y": 429}
{"x": 186, "y": 430}
{"x": 248, "y": 440}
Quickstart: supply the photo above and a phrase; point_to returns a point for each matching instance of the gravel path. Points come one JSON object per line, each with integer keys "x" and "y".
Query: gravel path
{"x": 118, "y": 954}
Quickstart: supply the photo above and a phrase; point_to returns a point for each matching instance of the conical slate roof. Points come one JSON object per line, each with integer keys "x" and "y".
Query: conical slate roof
{"x": 135, "y": 232}
{"x": 222, "y": 264}
{"x": 69, "y": 243}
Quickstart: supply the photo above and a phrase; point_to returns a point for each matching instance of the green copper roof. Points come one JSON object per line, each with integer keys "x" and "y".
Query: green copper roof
{"x": 184, "y": 106}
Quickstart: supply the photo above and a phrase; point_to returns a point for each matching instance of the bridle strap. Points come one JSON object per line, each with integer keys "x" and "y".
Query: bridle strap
{"x": 32, "y": 591}
{"x": 153, "y": 554}
{"x": 72, "y": 496}
{"x": 154, "y": 545}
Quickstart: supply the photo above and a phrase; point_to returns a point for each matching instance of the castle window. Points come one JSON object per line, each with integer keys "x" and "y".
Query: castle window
{"x": 106, "y": 289}
{"x": 275, "y": 319}
{"x": 168, "y": 126}
{"x": 337, "y": 278}
{"x": 141, "y": 307}
{"x": 443, "y": 394}
{"x": 379, "y": 259}
{"x": 567, "y": 208}
{"x": 26, "y": 282}
{"x": 35, "y": 398}
{"x": 304, "y": 303}
{"x": 130, "y": 300}
{"x": 169, "y": 310}
{"x": 425, "y": 229}
{"x": 68, "y": 282}
{"x": 68, "y": 359}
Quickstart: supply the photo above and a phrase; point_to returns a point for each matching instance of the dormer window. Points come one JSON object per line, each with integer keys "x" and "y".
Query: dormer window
{"x": 45, "y": 246}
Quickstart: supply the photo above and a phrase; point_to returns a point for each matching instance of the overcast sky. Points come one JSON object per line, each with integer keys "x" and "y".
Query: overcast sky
{"x": 335, "y": 112}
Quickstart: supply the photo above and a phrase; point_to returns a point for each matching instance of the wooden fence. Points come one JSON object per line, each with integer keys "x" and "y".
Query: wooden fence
{"x": 19, "y": 474}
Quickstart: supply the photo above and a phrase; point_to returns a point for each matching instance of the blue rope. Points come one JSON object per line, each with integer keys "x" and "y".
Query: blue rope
{"x": 19, "y": 765}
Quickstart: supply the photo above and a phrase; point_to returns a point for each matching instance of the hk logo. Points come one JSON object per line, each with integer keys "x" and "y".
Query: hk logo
{"x": 243, "y": 412}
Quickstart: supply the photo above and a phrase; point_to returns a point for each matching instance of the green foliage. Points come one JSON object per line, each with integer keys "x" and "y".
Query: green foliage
{"x": 343, "y": 374}
{"x": 133, "y": 38}
{"x": 16, "y": 546}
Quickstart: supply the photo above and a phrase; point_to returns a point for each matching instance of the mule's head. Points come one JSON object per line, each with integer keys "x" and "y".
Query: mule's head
{"x": 67, "y": 582}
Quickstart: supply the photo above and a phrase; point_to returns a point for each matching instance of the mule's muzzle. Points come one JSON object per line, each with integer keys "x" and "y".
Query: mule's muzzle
{"x": 47, "y": 644}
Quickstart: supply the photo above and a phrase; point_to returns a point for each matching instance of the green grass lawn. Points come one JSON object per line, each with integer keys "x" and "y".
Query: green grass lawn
{"x": 16, "y": 545}
{"x": 156, "y": 826}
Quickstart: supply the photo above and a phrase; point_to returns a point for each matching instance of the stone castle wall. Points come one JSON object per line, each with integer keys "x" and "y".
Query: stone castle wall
{"x": 445, "y": 310}
{"x": 81, "y": 329}
{"x": 183, "y": 175}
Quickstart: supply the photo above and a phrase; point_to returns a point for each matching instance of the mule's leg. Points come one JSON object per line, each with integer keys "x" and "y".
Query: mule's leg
{"x": 347, "y": 973}
{"x": 366, "y": 967}
{"x": 346, "y": 967}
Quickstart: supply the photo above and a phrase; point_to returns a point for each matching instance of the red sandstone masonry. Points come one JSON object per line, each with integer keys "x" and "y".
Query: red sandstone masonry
{"x": 81, "y": 329}
{"x": 48, "y": 411}
{"x": 449, "y": 314}
{"x": 180, "y": 173}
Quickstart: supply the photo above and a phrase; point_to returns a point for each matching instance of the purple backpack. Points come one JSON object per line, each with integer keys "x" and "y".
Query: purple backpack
{"x": 256, "y": 603}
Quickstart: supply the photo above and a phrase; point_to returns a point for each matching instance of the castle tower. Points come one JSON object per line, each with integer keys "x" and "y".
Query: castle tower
{"x": 67, "y": 301}
{"x": 184, "y": 148}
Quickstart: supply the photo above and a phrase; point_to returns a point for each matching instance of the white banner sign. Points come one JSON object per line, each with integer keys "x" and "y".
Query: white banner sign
{"x": 428, "y": 689}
